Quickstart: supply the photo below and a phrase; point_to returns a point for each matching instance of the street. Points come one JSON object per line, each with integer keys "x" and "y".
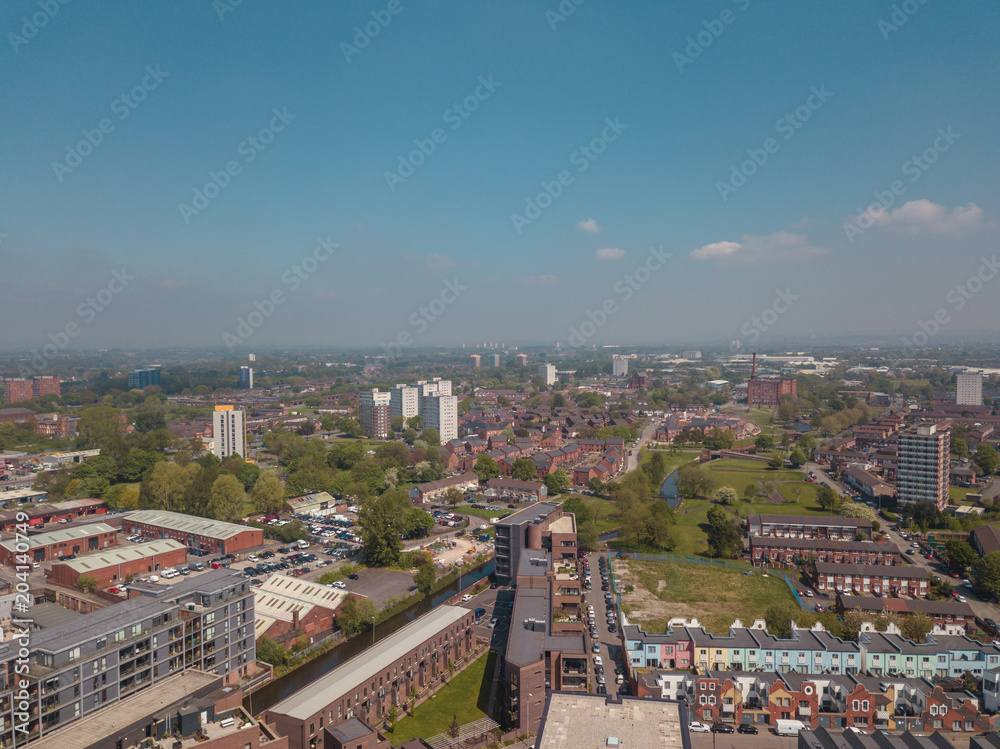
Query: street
{"x": 632, "y": 456}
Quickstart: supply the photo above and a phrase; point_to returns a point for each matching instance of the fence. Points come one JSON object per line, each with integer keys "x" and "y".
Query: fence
{"x": 721, "y": 563}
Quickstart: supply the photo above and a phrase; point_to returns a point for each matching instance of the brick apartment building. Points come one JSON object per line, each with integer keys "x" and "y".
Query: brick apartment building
{"x": 766, "y": 390}
{"x": 802, "y": 526}
{"x": 541, "y": 526}
{"x": 866, "y": 579}
{"x": 768, "y": 550}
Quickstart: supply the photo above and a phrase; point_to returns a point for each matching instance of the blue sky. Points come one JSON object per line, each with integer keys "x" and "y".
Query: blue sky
{"x": 692, "y": 87}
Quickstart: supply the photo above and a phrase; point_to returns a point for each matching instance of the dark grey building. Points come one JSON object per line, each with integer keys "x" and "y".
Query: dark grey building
{"x": 530, "y": 528}
{"x": 143, "y": 378}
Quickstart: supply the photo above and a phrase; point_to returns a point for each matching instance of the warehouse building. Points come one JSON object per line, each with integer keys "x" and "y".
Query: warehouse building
{"x": 199, "y": 534}
{"x": 61, "y": 543}
{"x": 118, "y": 564}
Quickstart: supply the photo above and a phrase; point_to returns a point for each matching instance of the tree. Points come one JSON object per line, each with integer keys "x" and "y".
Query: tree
{"x": 350, "y": 427}
{"x": 557, "y": 482}
{"x": 693, "y": 481}
{"x": 960, "y": 554}
{"x": 86, "y": 583}
{"x": 959, "y": 448}
{"x": 915, "y": 626}
{"x": 453, "y": 730}
{"x": 383, "y": 519}
{"x": 849, "y": 509}
{"x": 595, "y": 485}
{"x": 227, "y": 498}
{"x": 558, "y": 401}
{"x": 356, "y": 615}
{"x": 268, "y": 495}
{"x": 166, "y": 486}
{"x": 764, "y": 442}
{"x": 987, "y": 573}
{"x": 397, "y": 423}
{"x": 485, "y": 468}
{"x": 424, "y": 577}
{"x": 524, "y": 470}
{"x": 987, "y": 459}
{"x": 248, "y": 474}
{"x": 797, "y": 458}
{"x": 415, "y": 422}
{"x": 827, "y": 498}
{"x": 453, "y": 496}
{"x": 271, "y": 652}
{"x": 775, "y": 462}
{"x": 726, "y": 495}
{"x": 431, "y": 436}
{"x": 778, "y": 618}
{"x": 860, "y": 536}
{"x": 724, "y": 537}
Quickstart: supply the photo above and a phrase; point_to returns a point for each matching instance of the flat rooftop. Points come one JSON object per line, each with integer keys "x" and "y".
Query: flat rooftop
{"x": 115, "y": 557}
{"x": 531, "y": 513}
{"x": 319, "y": 693}
{"x": 120, "y": 715}
{"x": 573, "y": 720}
{"x": 61, "y": 535}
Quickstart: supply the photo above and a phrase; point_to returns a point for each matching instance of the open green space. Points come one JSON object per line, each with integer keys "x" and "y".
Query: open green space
{"x": 715, "y": 595}
{"x": 959, "y": 492}
{"x": 467, "y": 509}
{"x": 466, "y": 697}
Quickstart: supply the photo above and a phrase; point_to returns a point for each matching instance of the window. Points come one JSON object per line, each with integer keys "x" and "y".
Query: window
{"x": 74, "y": 654}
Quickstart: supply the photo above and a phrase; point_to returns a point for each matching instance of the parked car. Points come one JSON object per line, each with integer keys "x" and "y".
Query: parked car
{"x": 722, "y": 728}
{"x": 696, "y": 727}
{"x": 747, "y": 728}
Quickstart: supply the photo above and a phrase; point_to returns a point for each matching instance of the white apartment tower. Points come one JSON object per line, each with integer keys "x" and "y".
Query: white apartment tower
{"x": 619, "y": 365}
{"x": 373, "y": 413}
{"x": 229, "y": 434}
{"x": 440, "y": 412}
{"x": 970, "y": 389}
{"x": 922, "y": 469}
{"x": 405, "y": 401}
{"x": 548, "y": 373}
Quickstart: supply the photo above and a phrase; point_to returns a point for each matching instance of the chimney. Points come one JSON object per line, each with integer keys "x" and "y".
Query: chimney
{"x": 753, "y": 369}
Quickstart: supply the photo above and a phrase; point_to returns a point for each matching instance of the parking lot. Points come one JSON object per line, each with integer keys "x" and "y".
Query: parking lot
{"x": 380, "y": 584}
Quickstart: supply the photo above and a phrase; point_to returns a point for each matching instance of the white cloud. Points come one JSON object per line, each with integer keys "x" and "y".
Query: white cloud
{"x": 546, "y": 280}
{"x": 590, "y": 226}
{"x": 610, "y": 253}
{"x": 922, "y": 216}
{"x": 434, "y": 261}
{"x": 782, "y": 246}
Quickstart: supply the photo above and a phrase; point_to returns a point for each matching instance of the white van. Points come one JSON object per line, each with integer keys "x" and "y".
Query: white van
{"x": 170, "y": 573}
{"x": 789, "y": 727}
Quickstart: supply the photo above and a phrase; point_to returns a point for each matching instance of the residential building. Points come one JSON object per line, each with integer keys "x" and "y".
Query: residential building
{"x": 543, "y": 525}
{"x": 56, "y": 544}
{"x": 45, "y": 386}
{"x": 766, "y": 551}
{"x": 985, "y": 539}
{"x": 17, "y": 390}
{"x": 495, "y": 360}
{"x": 440, "y": 412}
{"x": 952, "y": 616}
{"x": 433, "y": 492}
{"x": 114, "y": 566}
{"x": 246, "y": 378}
{"x": 404, "y": 401}
{"x": 803, "y": 526}
{"x": 867, "y": 579}
{"x": 375, "y": 411}
{"x": 823, "y": 738}
{"x": 922, "y": 470}
{"x": 435, "y": 386}
{"x": 522, "y": 360}
{"x": 585, "y": 720}
{"x": 381, "y": 677}
{"x": 14, "y": 415}
{"x": 548, "y": 373}
{"x": 475, "y": 360}
{"x": 139, "y": 379}
{"x": 79, "y": 666}
{"x": 619, "y": 365}
{"x": 199, "y": 534}
{"x": 766, "y": 390}
{"x": 969, "y": 391}
{"x": 229, "y": 433}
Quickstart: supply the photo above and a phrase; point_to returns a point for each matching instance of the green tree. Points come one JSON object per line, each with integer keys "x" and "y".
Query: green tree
{"x": 485, "y": 468}
{"x": 271, "y": 652}
{"x": 382, "y": 520}
{"x": 356, "y": 615}
{"x": 227, "y": 499}
{"x": 397, "y": 423}
{"x": 915, "y": 626}
{"x": 556, "y": 482}
{"x": 415, "y": 422}
{"x": 248, "y": 474}
{"x": 693, "y": 481}
{"x": 726, "y": 495}
{"x": 849, "y": 509}
{"x": 987, "y": 459}
{"x": 797, "y": 458}
{"x": 268, "y": 495}
{"x": 775, "y": 462}
{"x": 724, "y": 537}
{"x": 453, "y": 496}
{"x": 167, "y": 485}
{"x": 764, "y": 442}
{"x": 827, "y": 498}
{"x": 778, "y": 618}
{"x": 424, "y": 578}
{"x": 595, "y": 485}
{"x": 960, "y": 554}
{"x": 987, "y": 573}
{"x": 959, "y": 448}
{"x": 524, "y": 470}
{"x": 431, "y": 436}
{"x": 350, "y": 427}
{"x": 86, "y": 583}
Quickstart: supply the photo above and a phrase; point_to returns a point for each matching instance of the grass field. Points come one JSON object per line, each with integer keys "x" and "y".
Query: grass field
{"x": 715, "y": 595}
{"x": 959, "y": 493}
{"x": 466, "y": 697}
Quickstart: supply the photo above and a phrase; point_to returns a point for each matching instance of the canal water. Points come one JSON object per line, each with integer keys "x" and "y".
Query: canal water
{"x": 291, "y": 682}
{"x": 669, "y": 490}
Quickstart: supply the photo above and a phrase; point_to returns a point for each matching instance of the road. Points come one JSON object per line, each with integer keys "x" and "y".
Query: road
{"x": 824, "y": 477}
{"x": 632, "y": 458}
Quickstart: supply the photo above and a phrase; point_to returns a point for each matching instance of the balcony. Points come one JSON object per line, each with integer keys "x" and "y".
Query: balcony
{"x": 806, "y": 711}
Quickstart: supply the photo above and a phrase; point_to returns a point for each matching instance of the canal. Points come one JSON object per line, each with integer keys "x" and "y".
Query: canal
{"x": 669, "y": 490}
{"x": 275, "y": 691}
